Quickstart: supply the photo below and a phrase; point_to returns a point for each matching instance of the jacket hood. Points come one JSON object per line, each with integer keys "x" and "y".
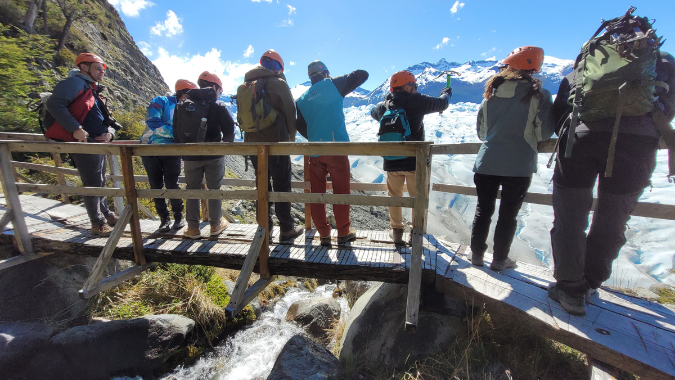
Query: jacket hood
{"x": 261, "y": 72}
{"x": 510, "y": 89}
{"x": 399, "y": 99}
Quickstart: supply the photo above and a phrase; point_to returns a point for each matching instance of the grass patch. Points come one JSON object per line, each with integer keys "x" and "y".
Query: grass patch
{"x": 666, "y": 295}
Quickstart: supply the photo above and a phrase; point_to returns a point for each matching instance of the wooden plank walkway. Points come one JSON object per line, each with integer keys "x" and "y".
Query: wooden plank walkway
{"x": 627, "y": 332}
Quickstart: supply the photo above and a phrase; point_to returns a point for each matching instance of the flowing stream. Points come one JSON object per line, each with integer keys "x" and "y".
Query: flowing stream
{"x": 251, "y": 352}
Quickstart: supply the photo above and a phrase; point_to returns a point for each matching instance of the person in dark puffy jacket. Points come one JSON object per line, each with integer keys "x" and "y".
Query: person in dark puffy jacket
{"x": 401, "y": 171}
{"x": 77, "y": 113}
{"x": 516, "y": 113}
{"x": 282, "y": 129}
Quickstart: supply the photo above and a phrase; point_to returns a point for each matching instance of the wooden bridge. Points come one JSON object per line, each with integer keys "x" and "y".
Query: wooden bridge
{"x": 625, "y": 332}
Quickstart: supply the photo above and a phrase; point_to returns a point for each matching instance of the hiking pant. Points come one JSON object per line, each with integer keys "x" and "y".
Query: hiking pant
{"x": 92, "y": 169}
{"x": 164, "y": 171}
{"x": 195, "y": 172}
{"x": 576, "y": 254}
{"x": 279, "y": 172}
{"x": 395, "y": 182}
{"x": 338, "y": 168}
{"x": 513, "y": 193}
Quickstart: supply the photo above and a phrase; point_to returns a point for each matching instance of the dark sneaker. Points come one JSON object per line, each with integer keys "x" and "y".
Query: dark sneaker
{"x": 351, "y": 236}
{"x": 572, "y": 305}
{"x": 165, "y": 225}
{"x": 325, "y": 242}
{"x": 396, "y": 234}
{"x": 216, "y": 230}
{"x": 291, "y": 234}
{"x": 112, "y": 219}
{"x": 477, "y": 259}
{"x": 101, "y": 229}
{"x": 499, "y": 265}
{"x": 179, "y": 222}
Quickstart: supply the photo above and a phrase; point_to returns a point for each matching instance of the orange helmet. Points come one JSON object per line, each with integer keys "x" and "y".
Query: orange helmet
{"x": 273, "y": 55}
{"x": 525, "y": 58}
{"x": 401, "y": 78}
{"x": 184, "y": 84}
{"x": 209, "y": 77}
{"x": 88, "y": 58}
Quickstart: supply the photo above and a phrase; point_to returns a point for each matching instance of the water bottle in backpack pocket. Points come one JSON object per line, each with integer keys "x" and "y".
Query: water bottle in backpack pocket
{"x": 394, "y": 126}
{"x": 190, "y": 121}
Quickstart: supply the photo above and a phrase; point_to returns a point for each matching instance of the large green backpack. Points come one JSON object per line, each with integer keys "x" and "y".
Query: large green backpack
{"x": 254, "y": 111}
{"x": 615, "y": 75}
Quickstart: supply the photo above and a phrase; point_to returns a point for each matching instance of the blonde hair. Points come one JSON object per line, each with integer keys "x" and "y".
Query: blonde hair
{"x": 509, "y": 73}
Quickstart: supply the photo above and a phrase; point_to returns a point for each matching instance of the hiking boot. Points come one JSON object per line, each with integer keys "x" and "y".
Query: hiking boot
{"x": 164, "y": 224}
{"x": 101, "y": 229}
{"x": 572, "y": 305}
{"x": 216, "y": 230}
{"x": 193, "y": 233}
{"x": 325, "y": 242}
{"x": 351, "y": 236}
{"x": 112, "y": 219}
{"x": 290, "y": 234}
{"x": 179, "y": 222}
{"x": 396, "y": 234}
{"x": 477, "y": 259}
{"x": 499, "y": 265}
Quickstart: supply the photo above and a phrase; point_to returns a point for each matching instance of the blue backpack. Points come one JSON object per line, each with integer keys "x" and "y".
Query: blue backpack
{"x": 394, "y": 126}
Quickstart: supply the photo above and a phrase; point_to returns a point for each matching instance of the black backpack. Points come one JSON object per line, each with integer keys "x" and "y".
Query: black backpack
{"x": 190, "y": 118}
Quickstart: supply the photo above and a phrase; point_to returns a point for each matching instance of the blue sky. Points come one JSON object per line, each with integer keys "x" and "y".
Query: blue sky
{"x": 184, "y": 38}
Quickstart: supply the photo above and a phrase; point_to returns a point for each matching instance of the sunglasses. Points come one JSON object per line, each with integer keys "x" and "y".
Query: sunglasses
{"x": 413, "y": 84}
{"x": 101, "y": 68}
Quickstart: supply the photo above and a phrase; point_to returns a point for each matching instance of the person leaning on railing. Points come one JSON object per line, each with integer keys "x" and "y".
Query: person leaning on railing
{"x": 164, "y": 170}
{"x": 515, "y": 115}
{"x": 79, "y": 114}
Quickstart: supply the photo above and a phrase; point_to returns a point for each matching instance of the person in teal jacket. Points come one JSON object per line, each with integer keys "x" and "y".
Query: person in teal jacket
{"x": 163, "y": 171}
{"x": 515, "y": 115}
{"x": 321, "y": 118}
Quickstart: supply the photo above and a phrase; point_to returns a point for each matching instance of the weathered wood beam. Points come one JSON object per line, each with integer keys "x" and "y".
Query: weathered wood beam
{"x": 63, "y": 147}
{"x": 9, "y": 188}
{"x": 342, "y": 199}
{"x": 307, "y": 189}
{"x": 115, "y": 280}
{"x": 6, "y": 219}
{"x": 598, "y": 370}
{"x": 132, "y": 199}
{"x": 114, "y": 163}
{"x": 251, "y": 292}
{"x": 197, "y": 194}
{"x": 72, "y": 190}
{"x": 263, "y": 208}
{"x": 246, "y": 270}
{"x": 60, "y": 177}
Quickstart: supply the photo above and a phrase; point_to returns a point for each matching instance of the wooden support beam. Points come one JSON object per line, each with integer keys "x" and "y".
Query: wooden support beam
{"x": 146, "y": 211}
{"x": 6, "y": 219}
{"x": 132, "y": 199}
{"x": 16, "y": 260}
{"x": 62, "y": 147}
{"x": 263, "y": 208}
{"x": 197, "y": 194}
{"x": 107, "y": 252}
{"x": 11, "y": 192}
{"x": 114, "y": 163}
{"x": 342, "y": 199}
{"x": 419, "y": 221}
{"x": 346, "y": 148}
{"x": 598, "y": 370}
{"x": 115, "y": 280}
{"x": 60, "y": 177}
{"x": 242, "y": 281}
{"x": 308, "y": 211}
{"x": 73, "y": 190}
{"x": 249, "y": 295}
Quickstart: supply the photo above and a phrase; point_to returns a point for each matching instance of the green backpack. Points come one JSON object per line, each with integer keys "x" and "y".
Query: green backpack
{"x": 254, "y": 111}
{"x": 615, "y": 75}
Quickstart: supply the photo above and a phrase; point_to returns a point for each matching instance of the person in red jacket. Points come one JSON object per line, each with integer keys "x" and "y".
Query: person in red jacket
{"x": 76, "y": 113}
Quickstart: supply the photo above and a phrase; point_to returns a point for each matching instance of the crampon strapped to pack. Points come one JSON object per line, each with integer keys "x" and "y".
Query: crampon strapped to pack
{"x": 394, "y": 126}
{"x": 190, "y": 118}
{"x": 615, "y": 76}
{"x": 254, "y": 111}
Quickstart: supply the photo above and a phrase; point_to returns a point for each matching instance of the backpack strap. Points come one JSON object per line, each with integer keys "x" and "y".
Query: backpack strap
{"x": 615, "y": 132}
{"x": 576, "y": 105}
{"x": 668, "y": 134}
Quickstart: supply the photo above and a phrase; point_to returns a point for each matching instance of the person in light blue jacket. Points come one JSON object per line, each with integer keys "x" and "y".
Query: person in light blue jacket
{"x": 163, "y": 171}
{"x": 515, "y": 115}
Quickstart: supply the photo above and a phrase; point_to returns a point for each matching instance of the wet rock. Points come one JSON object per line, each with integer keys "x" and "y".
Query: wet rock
{"x": 374, "y": 334}
{"x": 19, "y": 341}
{"x": 356, "y": 289}
{"x": 317, "y": 314}
{"x": 302, "y": 358}
{"x": 647, "y": 294}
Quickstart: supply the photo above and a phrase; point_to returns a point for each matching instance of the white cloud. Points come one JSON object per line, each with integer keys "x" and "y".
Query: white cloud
{"x": 443, "y": 43}
{"x": 291, "y": 63}
{"x": 494, "y": 49}
{"x": 130, "y": 8}
{"x": 170, "y": 27}
{"x": 291, "y": 10}
{"x": 145, "y": 48}
{"x": 174, "y": 67}
{"x": 288, "y": 22}
{"x": 258, "y": 1}
{"x": 249, "y": 51}
{"x": 456, "y": 6}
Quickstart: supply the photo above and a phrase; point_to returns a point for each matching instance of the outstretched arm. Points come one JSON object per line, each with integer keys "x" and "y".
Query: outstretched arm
{"x": 348, "y": 83}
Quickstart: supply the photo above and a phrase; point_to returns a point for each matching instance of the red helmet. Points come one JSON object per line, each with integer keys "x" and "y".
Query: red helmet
{"x": 275, "y": 56}
{"x": 525, "y": 58}
{"x": 88, "y": 58}
{"x": 401, "y": 78}
{"x": 184, "y": 84}
{"x": 209, "y": 77}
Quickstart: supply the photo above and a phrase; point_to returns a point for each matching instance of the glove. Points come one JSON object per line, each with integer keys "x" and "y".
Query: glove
{"x": 447, "y": 90}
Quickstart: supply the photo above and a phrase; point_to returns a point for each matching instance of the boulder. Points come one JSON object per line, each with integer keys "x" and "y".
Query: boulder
{"x": 374, "y": 334}
{"x": 18, "y": 342}
{"x": 356, "y": 289}
{"x": 316, "y": 314}
{"x": 103, "y": 349}
{"x": 301, "y": 358}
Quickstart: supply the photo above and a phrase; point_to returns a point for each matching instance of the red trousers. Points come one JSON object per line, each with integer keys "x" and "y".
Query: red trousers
{"x": 338, "y": 168}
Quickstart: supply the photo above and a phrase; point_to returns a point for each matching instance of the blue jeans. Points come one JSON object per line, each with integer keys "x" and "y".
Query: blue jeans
{"x": 164, "y": 171}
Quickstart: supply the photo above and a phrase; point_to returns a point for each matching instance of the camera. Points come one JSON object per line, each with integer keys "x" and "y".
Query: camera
{"x": 111, "y": 122}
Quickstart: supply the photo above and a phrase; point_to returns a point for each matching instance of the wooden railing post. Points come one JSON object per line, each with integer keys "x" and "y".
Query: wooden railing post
{"x": 13, "y": 202}
{"x": 114, "y": 163}
{"x": 420, "y": 209}
{"x": 308, "y": 210}
{"x": 132, "y": 200}
{"x": 60, "y": 176}
{"x": 263, "y": 208}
